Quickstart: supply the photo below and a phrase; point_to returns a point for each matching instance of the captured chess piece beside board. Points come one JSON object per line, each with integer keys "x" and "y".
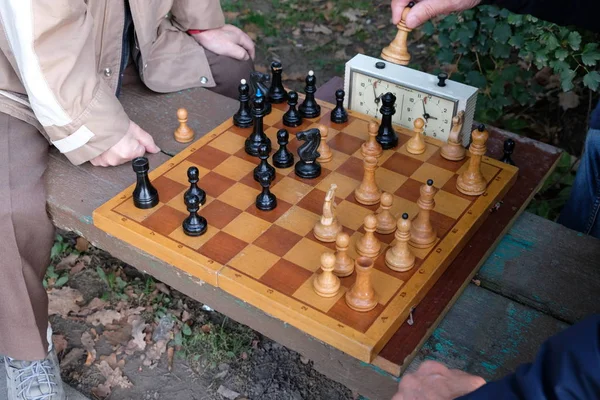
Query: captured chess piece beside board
{"x": 329, "y": 219}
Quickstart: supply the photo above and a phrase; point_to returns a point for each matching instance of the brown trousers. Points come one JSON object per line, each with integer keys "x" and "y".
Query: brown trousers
{"x": 28, "y": 232}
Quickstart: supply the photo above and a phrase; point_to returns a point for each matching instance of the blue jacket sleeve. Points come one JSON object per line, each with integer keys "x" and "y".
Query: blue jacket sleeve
{"x": 567, "y": 366}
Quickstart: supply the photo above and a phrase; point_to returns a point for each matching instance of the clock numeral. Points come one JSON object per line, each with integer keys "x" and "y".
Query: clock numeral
{"x": 434, "y": 135}
{"x": 445, "y": 110}
{"x": 419, "y": 95}
{"x": 445, "y": 121}
{"x": 409, "y": 119}
{"x": 408, "y": 109}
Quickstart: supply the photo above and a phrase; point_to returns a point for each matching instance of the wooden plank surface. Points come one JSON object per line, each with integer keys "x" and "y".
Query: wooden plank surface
{"x": 72, "y": 200}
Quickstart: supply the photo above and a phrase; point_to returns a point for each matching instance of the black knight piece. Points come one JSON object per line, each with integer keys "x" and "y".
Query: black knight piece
{"x": 387, "y": 136}
{"x": 309, "y": 108}
{"x": 194, "y": 224}
{"x": 193, "y": 177}
{"x": 292, "y": 117}
{"x": 258, "y": 136}
{"x": 308, "y": 167}
{"x": 144, "y": 195}
{"x": 338, "y": 114}
{"x": 259, "y": 83}
{"x": 263, "y": 167}
{"x": 277, "y": 93}
{"x": 509, "y": 147}
{"x": 243, "y": 117}
{"x": 265, "y": 201}
{"x": 283, "y": 158}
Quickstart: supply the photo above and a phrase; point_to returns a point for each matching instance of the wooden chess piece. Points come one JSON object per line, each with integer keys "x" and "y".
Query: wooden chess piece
{"x": 453, "y": 150}
{"x": 386, "y": 223}
{"x": 183, "y": 133}
{"x": 344, "y": 264}
{"x": 397, "y": 51}
{"x": 422, "y": 233}
{"x": 372, "y": 147}
{"x": 361, "y": 296}
{"x": 326, "y": 284}
{"x": 400, "y": 257}
{"x": 328, "y": 226}
{"x": 416, "y": 144}
{"x": 472, "y": 182}
{"x": 324, "y": 150}
{"x": 368, "y": 193}
{"x": 368, "y": 245}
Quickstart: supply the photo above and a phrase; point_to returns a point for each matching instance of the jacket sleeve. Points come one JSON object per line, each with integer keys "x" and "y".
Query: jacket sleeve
{"x": 580, "y": 13}
{"x": 567, "y": 366}
{"x": 197, "y": 14}
{"x": 53, "y": 47}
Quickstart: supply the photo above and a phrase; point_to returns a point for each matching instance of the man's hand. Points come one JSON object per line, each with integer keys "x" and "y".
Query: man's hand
{"x": 227, "y": 41}
{"x": 433, "y": 381}
{"x": 135, "y": 143}
{"x": 427, "y": 9}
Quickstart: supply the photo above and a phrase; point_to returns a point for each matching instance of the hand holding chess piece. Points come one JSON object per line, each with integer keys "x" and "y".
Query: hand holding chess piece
{"x": 397, "y": 51}
{"x": 453, "y": 150}
{"x": 328, "y": 226}
{"x": 183, "y": 133}
{"x": 472, "y": 182}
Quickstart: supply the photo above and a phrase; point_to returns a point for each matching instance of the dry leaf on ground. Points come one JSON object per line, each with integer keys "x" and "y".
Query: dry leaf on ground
{"x": 66, "y": 262}
{"x": 138, "y": 326}
{"x": 568, "y": 100}
{"x": 82, "y": 244}
{"x": 88, "y": 345}
{"x": 114, "y": 377}
{"x": 63, "y": 301}
{"x": 154, "y": 353}
{"x": 60, "y": 343}
{"x": 73, "y": 356}
{"x": 104, "y": 317}
{"x": 353, "y": 14}
{"x": 322, "y": 29}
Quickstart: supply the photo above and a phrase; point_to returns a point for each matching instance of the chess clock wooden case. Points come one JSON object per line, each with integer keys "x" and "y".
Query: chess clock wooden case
{"x": 435, "y": 99}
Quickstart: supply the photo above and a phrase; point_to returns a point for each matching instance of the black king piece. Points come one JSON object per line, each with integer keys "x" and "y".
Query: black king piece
{"x": 386, "y": 136}
{"x": 309, "y": 108}
{"x": 257, "y": 137}
{"x": 277, "y": 93}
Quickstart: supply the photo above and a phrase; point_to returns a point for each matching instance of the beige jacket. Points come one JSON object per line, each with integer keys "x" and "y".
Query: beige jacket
{"x": 60, "y": 63}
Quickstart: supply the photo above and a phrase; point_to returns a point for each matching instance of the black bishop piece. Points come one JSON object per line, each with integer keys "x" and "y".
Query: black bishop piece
{"x": 263, "y": 167}
{"x": 292, "y": 117}
{"x": 338, "y": 114}
{"x": 243, "y": 117}
{"x": 387, "y": 136}
{"x": 277, "y": 93}
{"x": 194, "y": 224}
{"x": 509, "y": 147}
{"x": 258, "y": 136}
{"x": 283, "y": 158}
{"x": 193, "y": 177}
{"x": 309, "y": 108}
{"x": 144, "y": 195}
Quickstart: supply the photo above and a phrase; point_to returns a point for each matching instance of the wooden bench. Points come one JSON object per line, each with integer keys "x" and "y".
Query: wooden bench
{"x": 539, "y": 279}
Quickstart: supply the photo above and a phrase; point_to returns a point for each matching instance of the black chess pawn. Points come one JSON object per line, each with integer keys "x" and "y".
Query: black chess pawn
{"x": 243, "y": 117}
{"x": 308, "y": 167}
{"x": 263, "y": 166}
{"x": 265, "y": 201}
{"x": 292, "y": 117}
{"x": 258, "y": 136}
{"x": 509, "y": 147}
{"x": 283, "y": 158}
{"x": 277, "y": 93}
{"x": 194, "y": 224}
{"x": 193, "y": 177}
{"x": 387, "y": 136}
{"x": 144, "y": 195}
{"x": 309, "y": 107}
{"x": 339, "y": 115}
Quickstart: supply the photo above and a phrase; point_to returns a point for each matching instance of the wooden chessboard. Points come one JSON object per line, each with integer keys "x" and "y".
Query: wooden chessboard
{"x": 269, "y": 259}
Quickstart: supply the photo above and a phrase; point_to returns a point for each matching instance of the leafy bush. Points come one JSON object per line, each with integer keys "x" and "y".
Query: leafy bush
{"x": 499, "y": 52}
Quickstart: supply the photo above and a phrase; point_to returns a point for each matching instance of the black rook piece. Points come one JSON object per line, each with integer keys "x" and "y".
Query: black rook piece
{"x": 257, "y": 137}
{"x": 193, "y": 177}
{"x": 292, "y": 117}
{"x": 265, "y": 201}
{"x": 144, "y": 195}
{"x": 338, "y": 114}
{"x": 308, "y": 167}
{"x": 283, "y": 158}
{"x": 243, "y": 117}
{"x": 263, "y": 167}
{"x": 309, "y": 108}
{"x": 277, "y": 93}
{"x": 509, "y": 147}
{"x": 194, "y": 225}
{"x": 386, "y": 136}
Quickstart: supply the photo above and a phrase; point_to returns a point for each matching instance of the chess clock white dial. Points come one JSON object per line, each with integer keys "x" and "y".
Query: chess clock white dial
{"x": 418, "y": 95}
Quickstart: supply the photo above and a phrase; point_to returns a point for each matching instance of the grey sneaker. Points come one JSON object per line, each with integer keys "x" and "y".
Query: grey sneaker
{"x": 34, "y": 380}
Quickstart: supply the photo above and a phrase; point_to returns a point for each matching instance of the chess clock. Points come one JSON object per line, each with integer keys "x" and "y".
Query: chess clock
{"x": 435, "y": 99}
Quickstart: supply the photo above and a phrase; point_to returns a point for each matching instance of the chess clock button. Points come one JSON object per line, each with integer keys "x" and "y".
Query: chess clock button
{"x": 204, "y": 80}
{"x": 442, "y": 79}
{"x": 380, "y": 65}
